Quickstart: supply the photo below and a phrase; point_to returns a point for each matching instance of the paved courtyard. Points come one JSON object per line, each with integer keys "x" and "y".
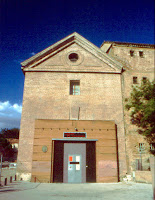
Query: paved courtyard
{"x": 91, "y": 191}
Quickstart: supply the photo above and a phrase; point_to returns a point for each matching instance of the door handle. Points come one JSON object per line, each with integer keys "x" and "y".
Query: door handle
{"x": 86, "y": 166}
{"x": 75, "y": 163}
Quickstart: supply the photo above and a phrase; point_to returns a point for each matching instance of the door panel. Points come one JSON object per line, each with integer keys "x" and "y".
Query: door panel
{"x": 74, "y": 168}
{"x": 91, "y": 162}
{"x": 58, "y": 162}
{"x": 74, "y": 163}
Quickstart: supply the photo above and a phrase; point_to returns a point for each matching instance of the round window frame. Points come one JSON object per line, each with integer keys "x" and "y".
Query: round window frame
{"x": 75, "y": 57}
{"x": 79, "y": 60}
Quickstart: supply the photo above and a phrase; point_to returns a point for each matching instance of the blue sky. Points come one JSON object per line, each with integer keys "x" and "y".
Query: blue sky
{"x": 29, "y": 26}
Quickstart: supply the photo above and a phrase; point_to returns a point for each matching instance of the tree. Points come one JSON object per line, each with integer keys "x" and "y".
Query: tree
{"x": 10, "y": 133}
{"x": 141, "y": 104}
{"x": 6, "y": 149}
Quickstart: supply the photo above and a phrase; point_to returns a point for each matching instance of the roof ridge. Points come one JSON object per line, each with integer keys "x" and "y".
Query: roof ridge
{"x": 129, "y": 44}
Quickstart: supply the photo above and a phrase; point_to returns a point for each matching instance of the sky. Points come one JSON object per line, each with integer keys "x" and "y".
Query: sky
{"x": 29, "y": 26}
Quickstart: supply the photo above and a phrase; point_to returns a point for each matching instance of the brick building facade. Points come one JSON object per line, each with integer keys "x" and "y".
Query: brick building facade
{"x": 138, "y": 63}
{"x": 73, "y": 99}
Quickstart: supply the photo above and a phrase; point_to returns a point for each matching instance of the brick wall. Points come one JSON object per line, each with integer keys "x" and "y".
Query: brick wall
{"x": 139, "y": 67}
{"x": 143, "y": 176}
{"x": 46, "y": 96}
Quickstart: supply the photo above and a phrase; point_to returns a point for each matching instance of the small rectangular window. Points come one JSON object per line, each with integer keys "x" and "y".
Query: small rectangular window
{"x": 152, "y": 146}
{"x": 134, "y": 79}
{"x": 144, "y": 79}
{"x": 75, "y": 87}
{"x": 131, "y": 53}
{"x": 141, "y": 54}
{"x": 141, "y": 146}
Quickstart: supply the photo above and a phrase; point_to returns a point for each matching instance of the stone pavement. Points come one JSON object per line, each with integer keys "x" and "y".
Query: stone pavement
{"x": 89, "y": 191}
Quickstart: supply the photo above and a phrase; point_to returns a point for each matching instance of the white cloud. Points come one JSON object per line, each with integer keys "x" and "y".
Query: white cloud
{"x": 33, "y": 53}
{"x": 10, "y": 115}
{"x": 17, "y": 108}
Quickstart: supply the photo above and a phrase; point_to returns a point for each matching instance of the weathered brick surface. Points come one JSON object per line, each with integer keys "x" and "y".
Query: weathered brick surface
{"x": 46, "y": 96}
{"x": 143, "y": 177}
{"x": 103, "y": 90}
{"x": 139, "y": 67}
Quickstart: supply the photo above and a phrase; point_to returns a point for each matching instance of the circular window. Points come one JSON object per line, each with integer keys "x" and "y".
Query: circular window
{"x": 73, "y": 57}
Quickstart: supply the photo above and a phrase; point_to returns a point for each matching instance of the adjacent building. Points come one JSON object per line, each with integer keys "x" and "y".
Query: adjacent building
{"x": 138, "y": 62}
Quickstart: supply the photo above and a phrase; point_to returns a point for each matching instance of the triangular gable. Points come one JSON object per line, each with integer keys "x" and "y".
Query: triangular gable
{"x": 31, "y": 63}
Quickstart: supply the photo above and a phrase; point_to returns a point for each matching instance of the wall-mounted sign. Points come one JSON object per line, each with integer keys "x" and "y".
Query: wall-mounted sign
{"x": 70, "y": 158}
{"x": 44, "y": 149}
{"x": 78, "y": 167}
{"x": 74, "y": 134}
{"x": 77, "y": 158}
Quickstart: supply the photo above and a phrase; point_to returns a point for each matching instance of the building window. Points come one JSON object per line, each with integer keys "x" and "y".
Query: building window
{"x": 73, "y": 57}
{"x": 141, "y": 54}
{"x": 134, "y": 79}
{"x": 131, "y": 53}
{"x": 74, "y": 87}
{"x": 144, "y": 79}
{"x": 152, "y": 146}
{"x": 141, "y": 147}
{"x": 133, "y": 121}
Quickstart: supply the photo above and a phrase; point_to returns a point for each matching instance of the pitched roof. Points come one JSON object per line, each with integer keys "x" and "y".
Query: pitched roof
{"x": 67, "y": 41}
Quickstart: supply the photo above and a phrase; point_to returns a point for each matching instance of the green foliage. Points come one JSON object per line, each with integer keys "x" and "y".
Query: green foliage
{"x": 6, "y": 149}
{"x": 142, "y": 109}
{"x": 5, "y": 146}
